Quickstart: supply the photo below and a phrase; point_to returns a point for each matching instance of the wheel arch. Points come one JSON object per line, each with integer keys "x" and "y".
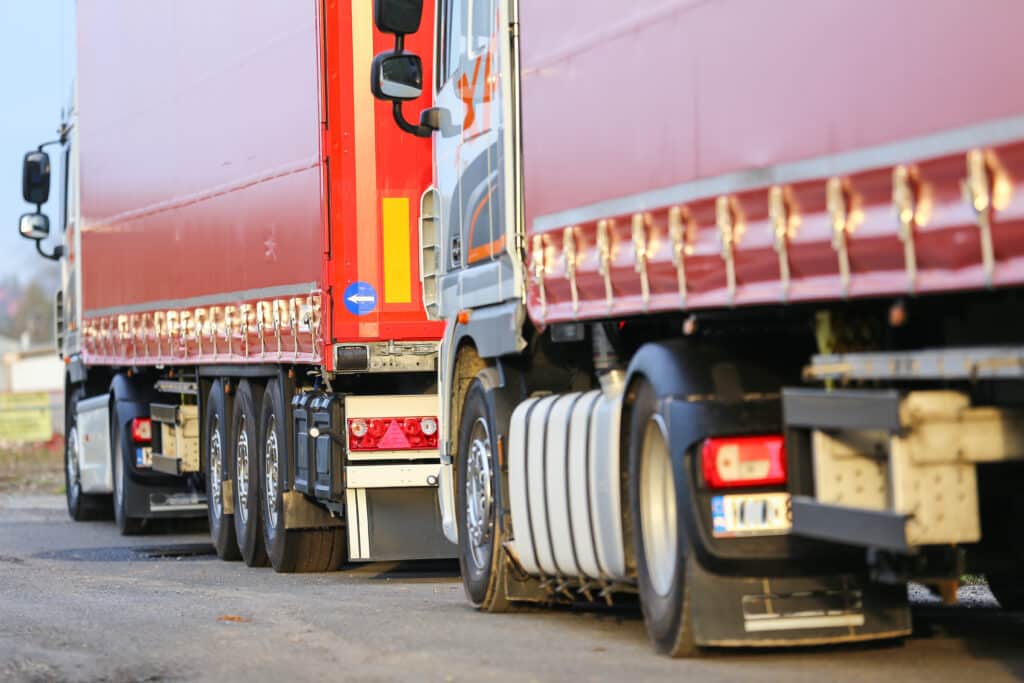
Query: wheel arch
{"x": 684, "y": 372}
{"x": 703, "y": 390}
{"x": 465, "y": 363}
{"x": 129, "y": 399}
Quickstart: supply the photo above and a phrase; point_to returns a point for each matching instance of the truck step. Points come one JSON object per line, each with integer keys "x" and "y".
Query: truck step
{"x": 842, "y": 409}
{"x": 168, "y": 464}
{"x": 852, "y": 526}
{"x": 178, "y": 504}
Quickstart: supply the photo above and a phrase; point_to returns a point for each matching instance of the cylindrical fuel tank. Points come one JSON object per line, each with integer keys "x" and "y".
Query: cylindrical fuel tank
{"x": 564, "y": 486}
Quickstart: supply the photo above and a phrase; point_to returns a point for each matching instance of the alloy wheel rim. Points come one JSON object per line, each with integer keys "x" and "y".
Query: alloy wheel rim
{"x": 479, "y": 501}
{"x": 71, "y": 455}
{"x": 242, "y": 470}
{"x": 216, "y": 470}
{"x": 270, "y": 469}
{"x": 118, "y": 475}
{"x": 658, "y": 514}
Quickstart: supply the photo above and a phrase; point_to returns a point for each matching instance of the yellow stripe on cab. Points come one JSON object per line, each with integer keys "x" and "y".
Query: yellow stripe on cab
{"x": 397, "y": 251}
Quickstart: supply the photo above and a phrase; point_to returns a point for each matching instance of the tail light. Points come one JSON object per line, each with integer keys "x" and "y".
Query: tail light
{"x": 741, "y": 461}
{"x": 142, "y": 430}
{"x": 392, "y": 433}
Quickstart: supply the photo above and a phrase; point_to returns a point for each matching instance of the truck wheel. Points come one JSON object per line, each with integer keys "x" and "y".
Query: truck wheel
{"x": 126, "y": 524}
{"x": 81, "y": 506}
{"x": 289, "y": 550}
{"x": 215, "y": 455}
{"x": 478, "y": 497}
{"x": 245, "y": 447}
{"x": 1008, "y": 589}
{"x": 659, "y": 538}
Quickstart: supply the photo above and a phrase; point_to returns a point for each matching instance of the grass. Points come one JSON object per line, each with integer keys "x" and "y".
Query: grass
{"x": 32, "y": 468}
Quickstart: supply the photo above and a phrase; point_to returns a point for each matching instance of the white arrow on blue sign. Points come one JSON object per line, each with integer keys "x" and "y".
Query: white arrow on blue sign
{"x": 360, "y": 298}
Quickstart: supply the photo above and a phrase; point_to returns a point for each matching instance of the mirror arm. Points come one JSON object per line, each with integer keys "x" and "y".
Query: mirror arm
{"x": 56, "y": 255}
{"x": 419, "y": 131}
{"x": 63, "y": 130}
{"x": 51, "y": 142}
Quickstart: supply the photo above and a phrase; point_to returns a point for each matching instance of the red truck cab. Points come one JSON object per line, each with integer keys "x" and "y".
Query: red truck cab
{"x": 242, "y": 315}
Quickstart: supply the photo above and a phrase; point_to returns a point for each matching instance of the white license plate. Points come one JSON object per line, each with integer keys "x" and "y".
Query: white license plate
{"x": 143, "y": 456}
{"x": 755, "y": 514}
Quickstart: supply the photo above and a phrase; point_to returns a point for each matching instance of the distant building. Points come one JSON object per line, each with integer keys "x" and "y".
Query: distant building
{"x": 36, "y": 369}
{"x": 7, "y": 345}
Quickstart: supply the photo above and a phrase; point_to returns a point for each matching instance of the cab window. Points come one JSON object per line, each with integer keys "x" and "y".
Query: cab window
{"x": 464, "y": 30}
{"x": 454, "y": 27}
{"x": 481, "y": 24}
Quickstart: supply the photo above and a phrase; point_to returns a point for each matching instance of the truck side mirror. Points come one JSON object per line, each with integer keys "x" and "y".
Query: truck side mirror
{"x": 35, "y": 177}
{"x": 396, "y": 76}
{"x": 34, "y": 226}
{"x": 400, "y": 17}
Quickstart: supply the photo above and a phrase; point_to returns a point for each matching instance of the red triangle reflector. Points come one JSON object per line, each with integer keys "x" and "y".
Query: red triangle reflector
{"x": 394, "y": 438}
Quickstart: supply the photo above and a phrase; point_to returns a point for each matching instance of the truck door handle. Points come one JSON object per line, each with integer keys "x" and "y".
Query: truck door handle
{"x": 456, "y": 251}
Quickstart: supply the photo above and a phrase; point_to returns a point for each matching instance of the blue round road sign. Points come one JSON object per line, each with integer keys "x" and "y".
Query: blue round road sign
{"x": 360, "y": 298}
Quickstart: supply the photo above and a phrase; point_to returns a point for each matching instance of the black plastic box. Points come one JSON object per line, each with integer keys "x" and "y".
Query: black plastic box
{"x": 329, "y": 466}
{"x": 302, "y": 420}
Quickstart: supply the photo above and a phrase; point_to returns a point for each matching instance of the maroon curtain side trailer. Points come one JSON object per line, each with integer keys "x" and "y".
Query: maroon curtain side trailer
{"x": 733, "y": 296}
{"x": 241, "y": 313}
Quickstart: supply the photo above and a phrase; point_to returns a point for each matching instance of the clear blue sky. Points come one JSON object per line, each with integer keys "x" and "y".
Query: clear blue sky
{"x": 37, "y": 56}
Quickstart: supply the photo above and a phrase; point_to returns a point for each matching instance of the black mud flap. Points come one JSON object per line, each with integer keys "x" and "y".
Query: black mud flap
{"x": 793, "y": 611}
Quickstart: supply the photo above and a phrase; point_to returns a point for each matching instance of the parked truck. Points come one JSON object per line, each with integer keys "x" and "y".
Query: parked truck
{"x": 240, "y": 316}
{"x": 733, "y": 304}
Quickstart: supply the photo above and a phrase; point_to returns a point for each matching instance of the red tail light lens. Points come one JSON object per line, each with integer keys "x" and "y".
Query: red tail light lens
{"x": 392, "y": 433}
{"x": 142, "y": 430}
{"x": 741, "y": 461}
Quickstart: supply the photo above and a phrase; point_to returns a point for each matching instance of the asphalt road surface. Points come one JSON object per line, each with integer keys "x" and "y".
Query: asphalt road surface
{"x": 80, "y": 603}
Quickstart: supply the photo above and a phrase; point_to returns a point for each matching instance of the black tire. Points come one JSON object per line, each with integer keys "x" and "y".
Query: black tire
{"x": 660, "y": 544}
{"x": 216, "y": 454}
{"x": 482, "y": 566}
{"x": 1008, "y": 589}
{"x": 289, "y": 550}
{"x": 245, "y": 452}
{"x": 82, "y": 507}
{"x": 126, "y": 524}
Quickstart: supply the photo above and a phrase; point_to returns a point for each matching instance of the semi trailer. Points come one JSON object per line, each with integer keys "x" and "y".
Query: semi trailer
{"x": 732, "y": 295}
{"x": 240, "y": 314}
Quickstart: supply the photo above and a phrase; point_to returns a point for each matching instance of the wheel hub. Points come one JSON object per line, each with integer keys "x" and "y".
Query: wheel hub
{"x": 118, "y": 475}
{"x": 216, "y": 470}
{"x": 658, "y": 515}
{"x": 72, "y": 457}
{"x": 271, "y": 460}
{"x": 242, "y": 470}
{"x": 479, "y": 501}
